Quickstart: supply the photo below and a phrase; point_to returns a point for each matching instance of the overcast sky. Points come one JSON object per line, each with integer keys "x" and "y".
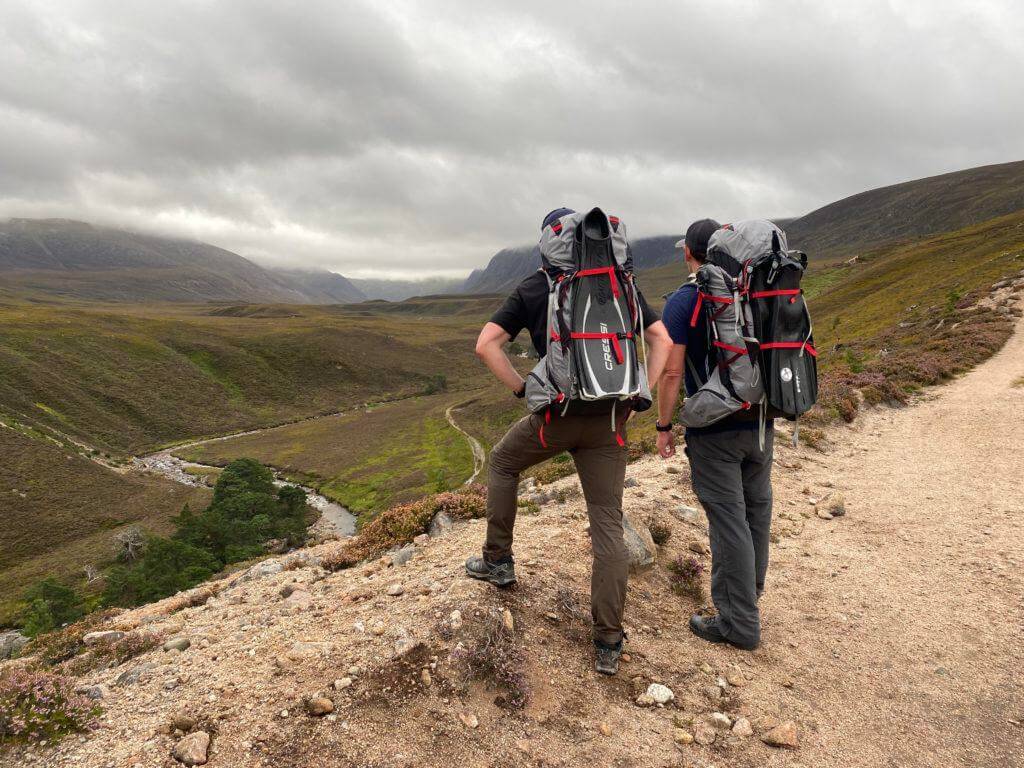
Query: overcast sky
{"x": 404, "y": 138}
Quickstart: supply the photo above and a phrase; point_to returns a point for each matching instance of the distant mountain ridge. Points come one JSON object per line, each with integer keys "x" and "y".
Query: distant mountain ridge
{"x": 510, "y": 265}
{"x": 79, "y": 261}
{"x": 910, "y": 210}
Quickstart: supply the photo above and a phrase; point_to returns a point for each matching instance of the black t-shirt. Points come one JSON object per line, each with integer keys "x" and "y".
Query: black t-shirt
{"x": 527, "y": 307}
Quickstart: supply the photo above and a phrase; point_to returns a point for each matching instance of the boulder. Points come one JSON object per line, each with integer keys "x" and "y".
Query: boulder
{"x": 11, "y": 644}
{"x": 179, "y": 643}
{"x": 193, "y": 749}
{"x": 402, "y": 556}
{"x": 639, "y": 545}
{"x": 784, "y": 735}
{"x": 103, "y": 636}
{"x": 440, "y": 525}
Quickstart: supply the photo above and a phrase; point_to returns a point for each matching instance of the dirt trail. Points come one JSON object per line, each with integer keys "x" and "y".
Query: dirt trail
{"x": 479, "y": 457}
{"x": 907, "y": 614}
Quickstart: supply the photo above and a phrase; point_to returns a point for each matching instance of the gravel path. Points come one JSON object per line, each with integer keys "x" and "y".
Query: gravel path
{"x": 479, "y": 457}
{"x": 907, "y": 614}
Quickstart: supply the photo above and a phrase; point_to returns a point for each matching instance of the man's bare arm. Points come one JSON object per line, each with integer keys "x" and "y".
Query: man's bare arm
{"x": 659, "y": 343}
{"x": 490, "y": 347}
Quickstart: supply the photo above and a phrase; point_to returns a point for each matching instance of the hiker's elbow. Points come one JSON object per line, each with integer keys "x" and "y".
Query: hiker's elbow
{"x": 490, "y": 340}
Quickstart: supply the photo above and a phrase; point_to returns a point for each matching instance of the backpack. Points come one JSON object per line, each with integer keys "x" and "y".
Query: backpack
{"x": 593, "y": 318}
{"x": 759, "y": 328}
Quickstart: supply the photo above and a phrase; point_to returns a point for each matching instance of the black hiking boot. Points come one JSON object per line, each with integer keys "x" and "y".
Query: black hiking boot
{"x": 501, "y": 574}
{"x": 706, "y": 628}
{"x": 607, "y": 662}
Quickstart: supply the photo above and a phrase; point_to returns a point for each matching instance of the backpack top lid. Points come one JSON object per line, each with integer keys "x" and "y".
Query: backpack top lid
{"x": 557, "y": 241}
{"x": 734, "y": 244}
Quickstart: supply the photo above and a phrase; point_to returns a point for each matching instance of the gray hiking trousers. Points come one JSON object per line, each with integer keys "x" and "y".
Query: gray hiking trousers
{"x": 600, "y": 458}
{"x": 732, "y": 478}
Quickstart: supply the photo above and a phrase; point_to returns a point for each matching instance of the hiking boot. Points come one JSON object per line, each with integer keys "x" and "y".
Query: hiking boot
{"x": 501, "y": 574}
{"x": 607, "y": 662}
{"x": 707, "y": 628}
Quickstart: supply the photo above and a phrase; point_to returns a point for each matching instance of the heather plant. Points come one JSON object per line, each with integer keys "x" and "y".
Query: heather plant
{"x": 660, "y": 532}
{"x": 494, "y": 657}
{"x": 40, "y": 705}
{"x": 687, "y": 575}
{"x": 402, "y": 523}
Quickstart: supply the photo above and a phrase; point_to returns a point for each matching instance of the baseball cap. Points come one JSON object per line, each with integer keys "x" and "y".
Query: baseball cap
{"x": 697, "y": 236}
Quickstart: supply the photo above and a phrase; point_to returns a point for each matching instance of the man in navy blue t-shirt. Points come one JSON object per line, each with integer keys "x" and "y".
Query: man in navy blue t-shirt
{"x": 731, "y": 471}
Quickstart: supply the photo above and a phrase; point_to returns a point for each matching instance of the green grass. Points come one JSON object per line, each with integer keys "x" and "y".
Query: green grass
{"x": 128, "y": 378}
{"x": 59, "y": 512}
{"x": 366, "y": 460}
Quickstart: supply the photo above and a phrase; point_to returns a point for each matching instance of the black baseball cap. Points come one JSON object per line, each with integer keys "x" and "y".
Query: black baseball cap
{"x": 697, "y": 236}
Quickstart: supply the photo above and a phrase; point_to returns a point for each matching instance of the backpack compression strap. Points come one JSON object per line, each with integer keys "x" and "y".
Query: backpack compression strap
{"x": 701, "y": 298}
{"x": 613, "y": 337}
{"x": 610, "y": 271}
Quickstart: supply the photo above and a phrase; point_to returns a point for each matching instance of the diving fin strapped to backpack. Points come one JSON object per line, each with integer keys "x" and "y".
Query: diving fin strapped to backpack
{"x": 759, "y": 328}
{"x": 594, "y": 327}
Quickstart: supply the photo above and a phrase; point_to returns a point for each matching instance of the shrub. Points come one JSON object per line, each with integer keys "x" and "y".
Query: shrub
{"x": 49, "y": 605}
{"x": 402, "y": 523}
{"x": 660, "y": 532}
{"x": 640, "y": 447}
{"x": 41, "y": 705}
{"x": 687, "y": 575}
{"x": 493, "y": 656}
{"x": 559, "y": 467}
{"x": 169, "y": 566}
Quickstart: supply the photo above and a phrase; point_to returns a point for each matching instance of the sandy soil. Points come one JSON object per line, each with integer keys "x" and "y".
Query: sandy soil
{"x": 892, "y": 635}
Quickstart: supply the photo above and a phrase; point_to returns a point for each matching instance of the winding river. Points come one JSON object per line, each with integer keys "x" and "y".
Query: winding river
{"x": 334, "y": 518}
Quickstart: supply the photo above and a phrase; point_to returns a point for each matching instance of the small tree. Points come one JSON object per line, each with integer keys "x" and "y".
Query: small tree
{"x": 129, "y": 543}
{"x": 50, "y": 604}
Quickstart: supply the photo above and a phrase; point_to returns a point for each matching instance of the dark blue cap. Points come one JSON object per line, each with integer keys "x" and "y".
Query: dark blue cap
{"x": 554, "y": 216}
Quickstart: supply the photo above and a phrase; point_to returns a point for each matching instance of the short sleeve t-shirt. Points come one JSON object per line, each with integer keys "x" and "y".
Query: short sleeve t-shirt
{"x": 527, "y": 307}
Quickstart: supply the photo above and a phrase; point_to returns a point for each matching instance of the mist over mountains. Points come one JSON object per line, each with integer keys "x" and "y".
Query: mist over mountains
{"x": 73, "y": 260}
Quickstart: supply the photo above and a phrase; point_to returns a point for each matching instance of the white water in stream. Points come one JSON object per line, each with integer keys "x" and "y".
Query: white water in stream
{"x": 333, "y": 517}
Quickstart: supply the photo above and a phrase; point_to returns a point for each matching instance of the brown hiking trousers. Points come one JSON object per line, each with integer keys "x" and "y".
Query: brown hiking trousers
{"x": 600, "y": 456}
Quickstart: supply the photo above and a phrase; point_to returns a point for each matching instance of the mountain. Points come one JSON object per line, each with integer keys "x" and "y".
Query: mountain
{"x": 400, "y": 290}
{"x": 319, "y": 286}
{"x": 910, "y": 210}
{"x": 80, "y": 261}
{"x": 510, "y": 265}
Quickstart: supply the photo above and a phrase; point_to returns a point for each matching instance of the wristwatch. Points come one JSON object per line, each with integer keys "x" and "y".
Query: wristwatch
{"x": 665, "y": 428}
{"x": 521, "y": 392}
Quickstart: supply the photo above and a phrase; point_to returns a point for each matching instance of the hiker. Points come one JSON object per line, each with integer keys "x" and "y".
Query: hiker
{"x": 592, "y": 430}
{"x": 730, "y": 464}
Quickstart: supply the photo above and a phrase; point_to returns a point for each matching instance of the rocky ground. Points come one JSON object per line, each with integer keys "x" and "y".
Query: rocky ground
{"x": 892, "y": 629}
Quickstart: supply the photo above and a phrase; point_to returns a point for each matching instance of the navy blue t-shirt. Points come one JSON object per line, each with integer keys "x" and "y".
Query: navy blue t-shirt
{"x": 677, "y": 315}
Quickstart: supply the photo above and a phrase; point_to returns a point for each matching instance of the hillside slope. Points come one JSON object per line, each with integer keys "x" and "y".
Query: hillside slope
{"x": 72, "y": 260}
{"x": 129, "y": 378}
{"x": 318, "y": 286}
{"x": 292, "y": 665}
{"x": 910, "y": 210}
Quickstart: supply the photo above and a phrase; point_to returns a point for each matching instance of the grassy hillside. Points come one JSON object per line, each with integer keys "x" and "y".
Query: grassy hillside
{"x": 367, "y": 459}
{"x": 130, "y": 378}
{"x": 909, "y": 211}
{"x": 75, "y": 260}
{"x": 58, "y": 512}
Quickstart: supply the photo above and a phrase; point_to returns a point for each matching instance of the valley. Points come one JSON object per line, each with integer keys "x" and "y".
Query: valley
{"x": 377, "y": 403}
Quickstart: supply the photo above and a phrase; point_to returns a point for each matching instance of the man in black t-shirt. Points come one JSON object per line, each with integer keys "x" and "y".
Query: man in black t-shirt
{"x": 591, "y": 434}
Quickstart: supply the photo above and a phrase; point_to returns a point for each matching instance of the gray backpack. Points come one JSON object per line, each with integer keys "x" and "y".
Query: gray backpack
{"x": 758, "y": 326}
{"x": 593, "y": 318}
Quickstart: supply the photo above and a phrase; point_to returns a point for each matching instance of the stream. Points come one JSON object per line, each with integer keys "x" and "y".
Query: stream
{"x": 334, "y": 518}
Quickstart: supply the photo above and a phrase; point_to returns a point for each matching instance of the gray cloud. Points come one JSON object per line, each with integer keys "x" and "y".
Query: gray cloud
{"x": 419, "y": 137}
